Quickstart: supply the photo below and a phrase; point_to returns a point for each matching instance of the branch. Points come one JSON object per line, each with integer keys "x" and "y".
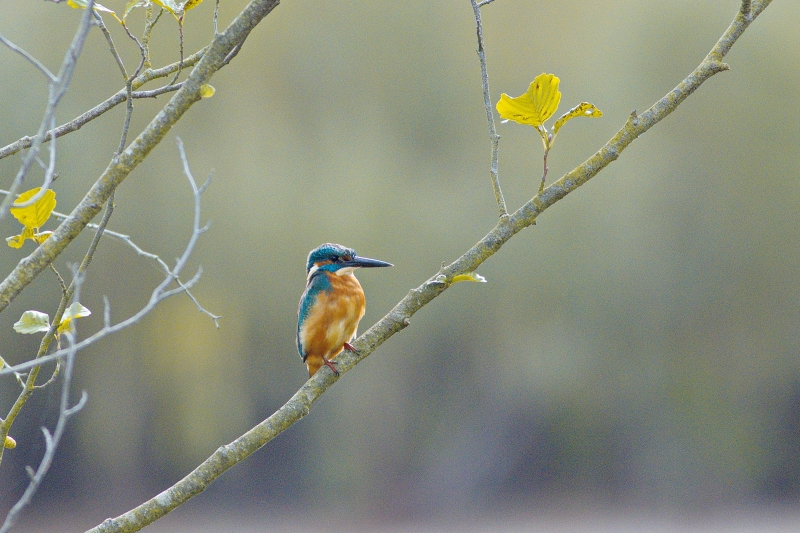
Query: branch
{"x": 487, "y": 103}
{"x": 159, "y": 294}
{"x": 101, "y": 229}
{"x": 57, "y": 89}
{"x": 51, "y": 440}
{"x": 38, "y": 64}
{"x": 110, "y": 103}
{"x": 120, "y": 167}
{"x": 398, "y": 318}
{"x": 29, "y": 385}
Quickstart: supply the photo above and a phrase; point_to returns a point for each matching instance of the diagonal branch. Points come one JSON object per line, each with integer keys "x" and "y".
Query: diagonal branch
{"x": 398, "y": 318}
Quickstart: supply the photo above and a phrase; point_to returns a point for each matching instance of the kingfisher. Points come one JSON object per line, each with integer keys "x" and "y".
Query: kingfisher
{"x": 331, "y": 306}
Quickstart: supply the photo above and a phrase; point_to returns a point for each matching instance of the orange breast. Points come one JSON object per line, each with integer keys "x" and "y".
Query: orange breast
{"x": 334, "y": 318}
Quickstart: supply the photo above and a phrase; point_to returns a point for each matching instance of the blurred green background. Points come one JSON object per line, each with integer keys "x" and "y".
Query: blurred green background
{"x": 636, "y": 349}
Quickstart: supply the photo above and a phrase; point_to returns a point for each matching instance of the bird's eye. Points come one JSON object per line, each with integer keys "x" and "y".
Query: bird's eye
{"x": 335, "y": 259}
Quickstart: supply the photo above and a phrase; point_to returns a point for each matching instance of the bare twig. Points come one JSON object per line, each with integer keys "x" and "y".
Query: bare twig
{"x": 102, "y": 230}
{"x": 110, "y": 103}
{"x": 98, "y": 20}
{"x": 29, "y": 385}
{"x": 180, "y": 63}
{"x": 160, "y": 293}
{"x": 545, "y": 168}
{"x": 36, "y": 63}
{"x": 121, "y": 167}
{"x": 51, "y": 440}
{"x": 487, "y": 103}
{"x": 57, "y": 89}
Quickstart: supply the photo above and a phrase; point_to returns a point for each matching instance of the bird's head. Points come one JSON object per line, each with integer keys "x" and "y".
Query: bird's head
{"x": 339, "y": 260}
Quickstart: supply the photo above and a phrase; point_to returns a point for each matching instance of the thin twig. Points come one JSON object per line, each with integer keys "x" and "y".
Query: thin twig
{"x": 100, "y": 24}
{"x": 180, "y": 63}
{"x": 157, "y": 92}
{"x": 57, "y": 89}
{"x": 29, "y": 386}
{"x": 159, "y": 294}
{"x": 137, "y": 151}
{"x": 110, "y": 103}
{"x": 487, "y": 103}
{"x": 49, "y": 173}
{"x": 544, "y": 169}
{"x": 51, "y": 440}
{"x": 101, "y": 229}
{"x": 150, "y": 22}
{"x": 36, "y": 63}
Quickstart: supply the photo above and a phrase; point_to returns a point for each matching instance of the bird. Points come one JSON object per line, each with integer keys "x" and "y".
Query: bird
{"x": 332, "y": 305}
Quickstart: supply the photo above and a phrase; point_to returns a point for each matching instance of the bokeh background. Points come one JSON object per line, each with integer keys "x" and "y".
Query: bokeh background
{"x": 632, "y": 361}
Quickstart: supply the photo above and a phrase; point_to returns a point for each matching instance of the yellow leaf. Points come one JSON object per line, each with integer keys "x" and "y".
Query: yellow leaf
{"x": 469, "y": 276}
{"x": 177, "y": 7}
{"x": 82, "y": 4}
{"x": 538, "y": 103}
{"x": 133, "y": 4}
{"x": 584, "y": 109}
{"x": 76, "y": 310}
{"x": 9, "y": 443}
{"x": 36, "y": 214}
{"x": 207, "y": 91}
{"x": 18, "y": 240}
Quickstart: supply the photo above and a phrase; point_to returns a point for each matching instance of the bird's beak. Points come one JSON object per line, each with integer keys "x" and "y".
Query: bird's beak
{"x": 365, "y": 262}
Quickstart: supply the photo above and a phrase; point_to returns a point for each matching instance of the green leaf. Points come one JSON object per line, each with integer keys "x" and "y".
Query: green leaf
{"x": 32, "y": 322}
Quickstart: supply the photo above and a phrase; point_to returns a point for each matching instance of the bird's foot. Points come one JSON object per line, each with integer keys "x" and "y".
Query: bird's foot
{"x": 330, "y": 365}
{"x": 349, "y": 347}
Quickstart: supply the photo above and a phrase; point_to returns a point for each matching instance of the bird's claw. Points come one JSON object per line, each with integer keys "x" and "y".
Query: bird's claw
{"x": 330, "y": 365}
